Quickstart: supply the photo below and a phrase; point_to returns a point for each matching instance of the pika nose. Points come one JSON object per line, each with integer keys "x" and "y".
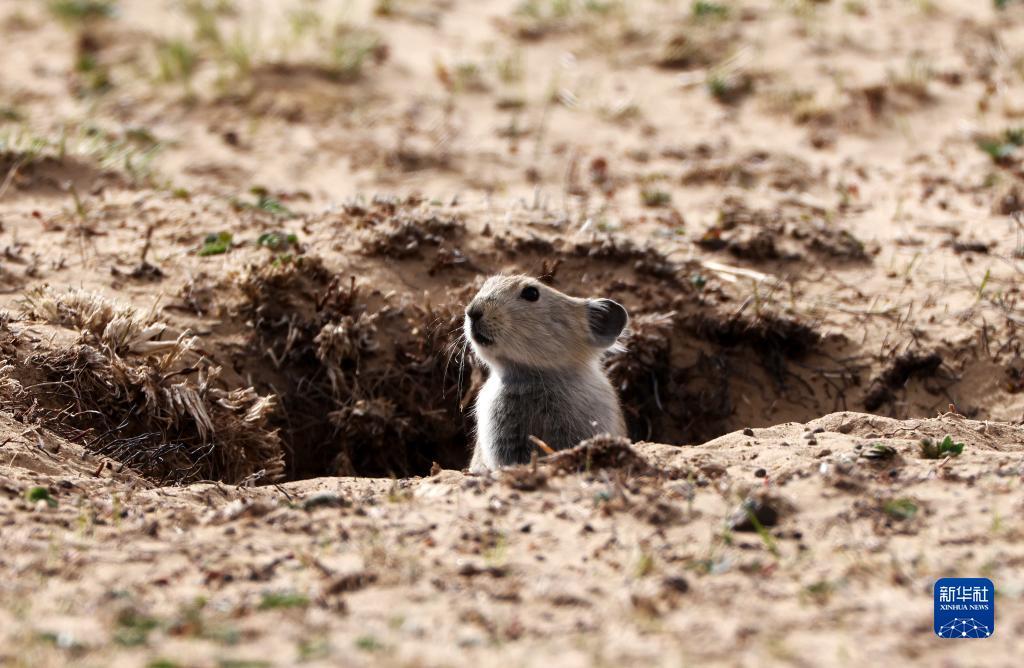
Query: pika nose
{"x": 474, "y": 312}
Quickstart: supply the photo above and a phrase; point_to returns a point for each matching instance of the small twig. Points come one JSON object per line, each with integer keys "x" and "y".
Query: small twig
{"x": 547, "y": 449}
{"x": 11, "y": 174}
{"x": 283, "y": 491}
{"x": 730, "y": 270}
{"x": 148, "y": 242}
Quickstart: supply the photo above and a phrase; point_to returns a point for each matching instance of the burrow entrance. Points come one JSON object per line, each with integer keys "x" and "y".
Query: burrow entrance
{"x": 379, "y": 384}
{"x": 371, "y": 380}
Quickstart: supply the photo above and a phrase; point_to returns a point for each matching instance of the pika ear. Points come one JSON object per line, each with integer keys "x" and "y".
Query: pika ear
{"x": 607, "y": 320}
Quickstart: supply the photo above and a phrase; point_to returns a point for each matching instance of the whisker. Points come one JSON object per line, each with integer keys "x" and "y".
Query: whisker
{"x": 456, "y": 345}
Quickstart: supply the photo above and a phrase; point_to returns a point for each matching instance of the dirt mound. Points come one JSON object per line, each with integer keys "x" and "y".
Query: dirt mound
{"x": 661, "y": 551}
{"x": 597, "y": 454}
{"x": 788, "y": 232}
{"x": 50, "y": 175}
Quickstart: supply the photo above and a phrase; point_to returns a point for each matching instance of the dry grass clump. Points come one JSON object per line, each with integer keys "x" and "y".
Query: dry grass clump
{"x": 369, "y": 386}
{"x": 118, "y": 327}
{"x": 124, "y": 391}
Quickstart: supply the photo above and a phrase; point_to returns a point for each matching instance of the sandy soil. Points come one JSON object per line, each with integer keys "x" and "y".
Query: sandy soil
{"x": 237, "y": 237}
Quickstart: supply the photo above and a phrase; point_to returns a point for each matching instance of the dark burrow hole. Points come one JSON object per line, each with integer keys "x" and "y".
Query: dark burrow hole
{"x": 366, "y": 386}
{"x": 376, "y": 386}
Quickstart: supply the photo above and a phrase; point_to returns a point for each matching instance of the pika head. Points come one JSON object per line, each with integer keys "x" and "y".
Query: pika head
{"x": 519, "y": 321}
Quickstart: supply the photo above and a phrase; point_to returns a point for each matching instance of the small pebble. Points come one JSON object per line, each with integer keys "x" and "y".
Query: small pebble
{"x": 762, "y": 508}
{"x": 676, "y": 583}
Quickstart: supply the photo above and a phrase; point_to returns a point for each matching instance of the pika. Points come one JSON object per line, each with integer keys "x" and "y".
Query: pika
{"x": 543, "y": 350}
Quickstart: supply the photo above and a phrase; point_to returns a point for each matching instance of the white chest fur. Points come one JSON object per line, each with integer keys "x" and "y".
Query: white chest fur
{"x": 485, "y": 402}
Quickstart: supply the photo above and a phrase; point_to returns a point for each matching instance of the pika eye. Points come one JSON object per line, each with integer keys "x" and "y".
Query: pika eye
{"x": 530, "y": 293}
